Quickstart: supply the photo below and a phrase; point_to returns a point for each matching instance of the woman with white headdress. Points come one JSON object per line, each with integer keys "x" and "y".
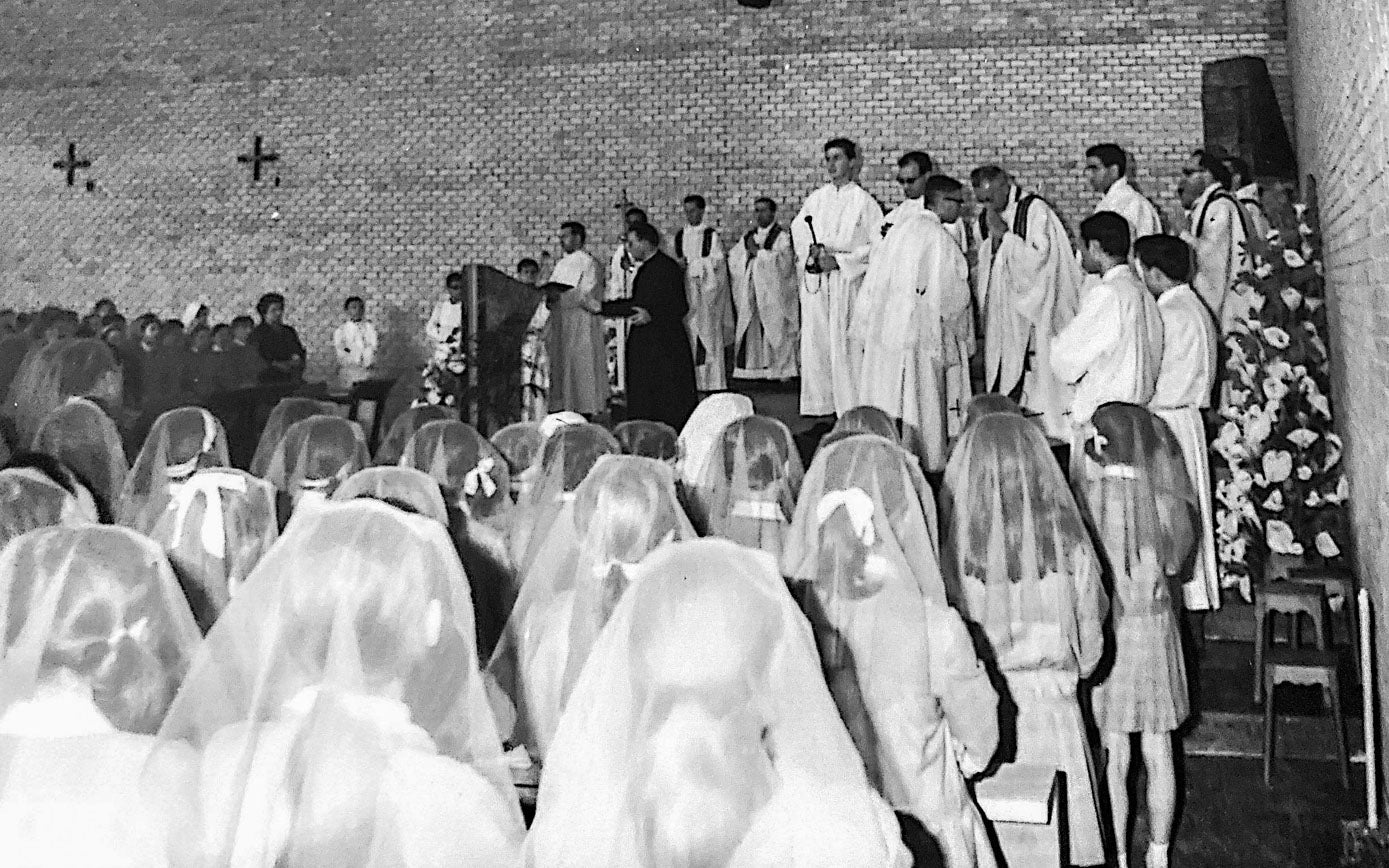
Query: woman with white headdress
{"x": 286, "y": 413}
{"x": 335, "y": 714}
{"x": 623, "y": 510}
{"x": 751, "y": 482}
{"x": 898, "y": 659}
{"x": 1147, "y": 518}
{"x": 83, "y": 437}
{"x": 402, "y": 487}
{"x": 1019, "y": 563}
{"x": 568, "y": 455}
{"x": 313, "y": 459}
{"x": 97, "y": 638}
{"x": 392, "y": 446}
{"x": 699, "y": 720}
{"x": 181, "y": 442}
{"x": 698, "y": 440}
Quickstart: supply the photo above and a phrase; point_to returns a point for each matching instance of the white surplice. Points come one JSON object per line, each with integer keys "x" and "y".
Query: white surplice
{"x": 354, "y": 344}
{"x": 1183, "y": 389}
{"x": 765, "y": 287}
{"x": 445, "y": 327}
{"x": 1028, "y": 289}
{"x": 1140, "y": 213}
{"x": 1217, "y": 234}
{"x": 711, "y": 308}
{"x": 844, "y": 219}
{"x": 958, "y": 386}
{"x": 912, "y": 304}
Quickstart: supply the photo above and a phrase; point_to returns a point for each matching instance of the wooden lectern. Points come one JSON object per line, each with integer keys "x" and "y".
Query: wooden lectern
{"x": 499, "y": 309}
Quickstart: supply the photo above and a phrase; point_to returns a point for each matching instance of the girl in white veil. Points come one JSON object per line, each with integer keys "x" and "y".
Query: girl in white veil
{"x": 313, "y": 458}
{"x": 335, "y": 714}
{"x": 392, "y": 446}
{"x": 751, "y": 482}
{"x": 286, "y": 413}
{"x": 180, "y": 442}
{"x": 97, "y": 638}
{"x": 623, "y": 510}
{"x": 648, "y": 439}
{"x": 80, "y": 435}
{"x": 398, "y": 486}
{"x": 701, "y": 708}
{"x": 564, "y": 461}
{"x": 63, "y": 369}
{"x": 1019, "y": 563}
{"x": 698, "y": 440}
{"x": 464, "y": 464}
{"x": 898, "y": 659}
{"x": 519, "y": 444}
{"x": 30, "y": 499}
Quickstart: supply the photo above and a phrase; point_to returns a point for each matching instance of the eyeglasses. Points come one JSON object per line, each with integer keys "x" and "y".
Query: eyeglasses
{"x": 902, "y": 180}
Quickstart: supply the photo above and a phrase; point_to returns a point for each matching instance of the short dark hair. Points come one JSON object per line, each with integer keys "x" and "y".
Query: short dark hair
{"x": 453, "y": 277}
{"x": 1239, "y": 166}
{"x": 1110, "y": 230}
{"x": 920, "y": 159}
{"x": 984, "y": 174}
{"x": 771, "y": 203}
{"x": 1110, "y": 155}
{"x": 269, "y": 300}
{"x": 352, "y": 298}
{"x": 696, "y": 200}
{"x": 576, "y": 227}
{"x": 1216, "y": 166}
{"x": 242, "y": 320}
{"x": 220, "y": 327}
{"x": 846, "y": 145}
{"x": 634, "y": 211}
{"x": 527, "y": 263}
{"x": 1167, "y": 253}
{"x": 646, "y": 232}
{"x": 941, "y": 185}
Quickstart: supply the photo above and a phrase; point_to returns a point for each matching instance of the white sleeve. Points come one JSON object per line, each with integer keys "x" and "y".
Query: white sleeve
{"x": 1076, "y": 347}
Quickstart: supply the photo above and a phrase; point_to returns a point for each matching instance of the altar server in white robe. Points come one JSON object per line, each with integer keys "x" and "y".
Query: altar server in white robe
{"x": 766, "y": 281}
{"x": 1217, "y": 233}
{"x": 447, "y": 322}
{"x": 1112, "y": 349}
{"x": 1028, "y": 287}
{"x": 700, "y": 250}
{"x": 354, "y": 344}
{"x": 840, "y": 217}
{"x": 1184, "y": 389}
{"x": 1107, "y": 169}
{"x": 912, "y": 303}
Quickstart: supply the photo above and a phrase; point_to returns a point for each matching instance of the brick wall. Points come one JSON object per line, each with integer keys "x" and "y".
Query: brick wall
{"x": 416, "y": 135}
{"x": 1339, "y": 52}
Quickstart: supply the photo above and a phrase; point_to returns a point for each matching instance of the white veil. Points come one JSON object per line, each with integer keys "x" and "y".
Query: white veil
{"x": 701, "y": 696}
{"x": 30, "y": 500}
{"x": 85, "y": 439}
{"x": 180, "y": 442}
{"x": 698, "y": 439}
{"x": 464, "y": 464}
{"x": 410, "y": 420}
{"x": 317, "y": 454}
{"x": 751, "y": 481}
{"x": 340, "y": 684}
{"x": 520, "y": 445}
{"x": 405, "y": 485}
{"x": 564, "y": 461}
{"x": 285, "y": 414}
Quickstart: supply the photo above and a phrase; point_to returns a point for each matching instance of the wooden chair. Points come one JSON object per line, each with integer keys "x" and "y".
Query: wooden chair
{"x": 1291, "y": 599}
{"x": 1334, "y": 582}
{"x": 1307, "y": 667}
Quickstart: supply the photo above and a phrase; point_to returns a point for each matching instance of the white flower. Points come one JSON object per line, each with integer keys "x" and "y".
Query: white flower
{"x": 1291, "y": 297}
{"x": 1278, "y": 465}
{"x": 1277, "y": 338}
{"x": 1293, "y": 259}
{"x": 1228, "y": 442}
{"x": 1274, "y": 502}
{"x": 1299, "y": 371}
{"x": 1326, "y": 546}
{"x": 1280, "y": 538}
{"x": 1304, "y": 472}
{"x": 1342, "y": 491}
{"x": 1303, "y": 437}
{"x": 1300, "y": 208}
{"x": 1320, "y": 404}
{"x": 1275, "y": 389}
{"x": 1257, "y": 426}
{"x": 1313, "y": 304}
{"x": 1228, "y": 523}
{"x": 1238, "y": 397}
{"x": 1263, "y": 271}
{"x": 1280, "y": 369}
{"x": 1314, "y": 498}
{"x": 1333, "y": 453}
{"x": 1242, "y": 480}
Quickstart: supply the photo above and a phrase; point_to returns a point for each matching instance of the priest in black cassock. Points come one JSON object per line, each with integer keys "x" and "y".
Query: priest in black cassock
{"x": 660, "y": 366}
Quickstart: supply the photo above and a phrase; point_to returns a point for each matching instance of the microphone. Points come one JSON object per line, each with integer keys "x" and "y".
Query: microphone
{"x": 812, "y": 265}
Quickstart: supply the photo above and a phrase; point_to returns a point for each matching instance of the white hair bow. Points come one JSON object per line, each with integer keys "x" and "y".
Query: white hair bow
{"x": 1098, "y": 440}
{"x": 480, "y": 479}
{"x": 210, "y": 485}
{"x": 856, "y": 504}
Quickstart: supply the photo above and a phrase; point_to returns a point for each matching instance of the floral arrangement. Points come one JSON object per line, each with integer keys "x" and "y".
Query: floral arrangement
{"x": 498, "y": 393}
{"x": 445, "y": 378}
{"x": 1280, "y": 488}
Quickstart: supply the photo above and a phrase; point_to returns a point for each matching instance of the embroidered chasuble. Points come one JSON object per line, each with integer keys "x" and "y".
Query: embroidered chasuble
{"x": 711, "y": 311}
{"x": 765, "y": 298}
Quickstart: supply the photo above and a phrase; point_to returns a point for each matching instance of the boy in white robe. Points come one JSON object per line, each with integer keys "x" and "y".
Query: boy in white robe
{"x": 700, "y": 250}
{"x": 1106, "y": 169}
{"x": 446, "y": 323}
{"x": 1218, "y": 235}
{"x": 763, "y": 270}
{"x": 1112, "y": 349}
{"x": 839, "y": 217}
{"x": 1028, "y": 287}
{"x": 354, "y": 344}
{"x": 1184, "y": 388}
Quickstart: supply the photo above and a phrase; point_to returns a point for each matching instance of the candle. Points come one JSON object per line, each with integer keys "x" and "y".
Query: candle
{"x": 1367, "y": 700}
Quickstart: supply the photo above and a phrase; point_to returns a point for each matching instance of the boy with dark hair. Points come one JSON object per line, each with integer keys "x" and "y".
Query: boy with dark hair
{"x": 354, "y": 344}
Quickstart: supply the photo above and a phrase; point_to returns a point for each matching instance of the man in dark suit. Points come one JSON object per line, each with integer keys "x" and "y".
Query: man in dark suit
{"x": 660, "y": 365}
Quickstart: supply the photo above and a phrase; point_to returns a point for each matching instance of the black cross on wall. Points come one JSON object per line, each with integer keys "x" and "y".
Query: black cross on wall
{"x": 257, "y": 158}
{"x": 72, "y": 164}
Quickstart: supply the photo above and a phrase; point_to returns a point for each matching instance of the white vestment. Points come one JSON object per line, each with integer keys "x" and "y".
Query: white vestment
{"x": 1217, "y": 234}
{"x": 1142, "y": 215}
{"x": 844, "y": 219}
{"x": 621, "y": 270}
{"x": 354, "y": 343}
{"x": 1028, "y": 290}
{"x": 1183, "y": 388}
{"x": 445, "y": 327}
{"x": 765, "y": 287}
{"x": 912, "y": 303}
{"x": 958, "y": 386}
{"x": 711, "y": 309}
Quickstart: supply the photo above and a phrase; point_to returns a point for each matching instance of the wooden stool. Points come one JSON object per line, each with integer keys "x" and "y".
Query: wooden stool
{"x": 1291, "y": 599}
{"x": 1308, "y": 667}
{"x": 1333, "y": 582}
{"x": 1025, "y": 805}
